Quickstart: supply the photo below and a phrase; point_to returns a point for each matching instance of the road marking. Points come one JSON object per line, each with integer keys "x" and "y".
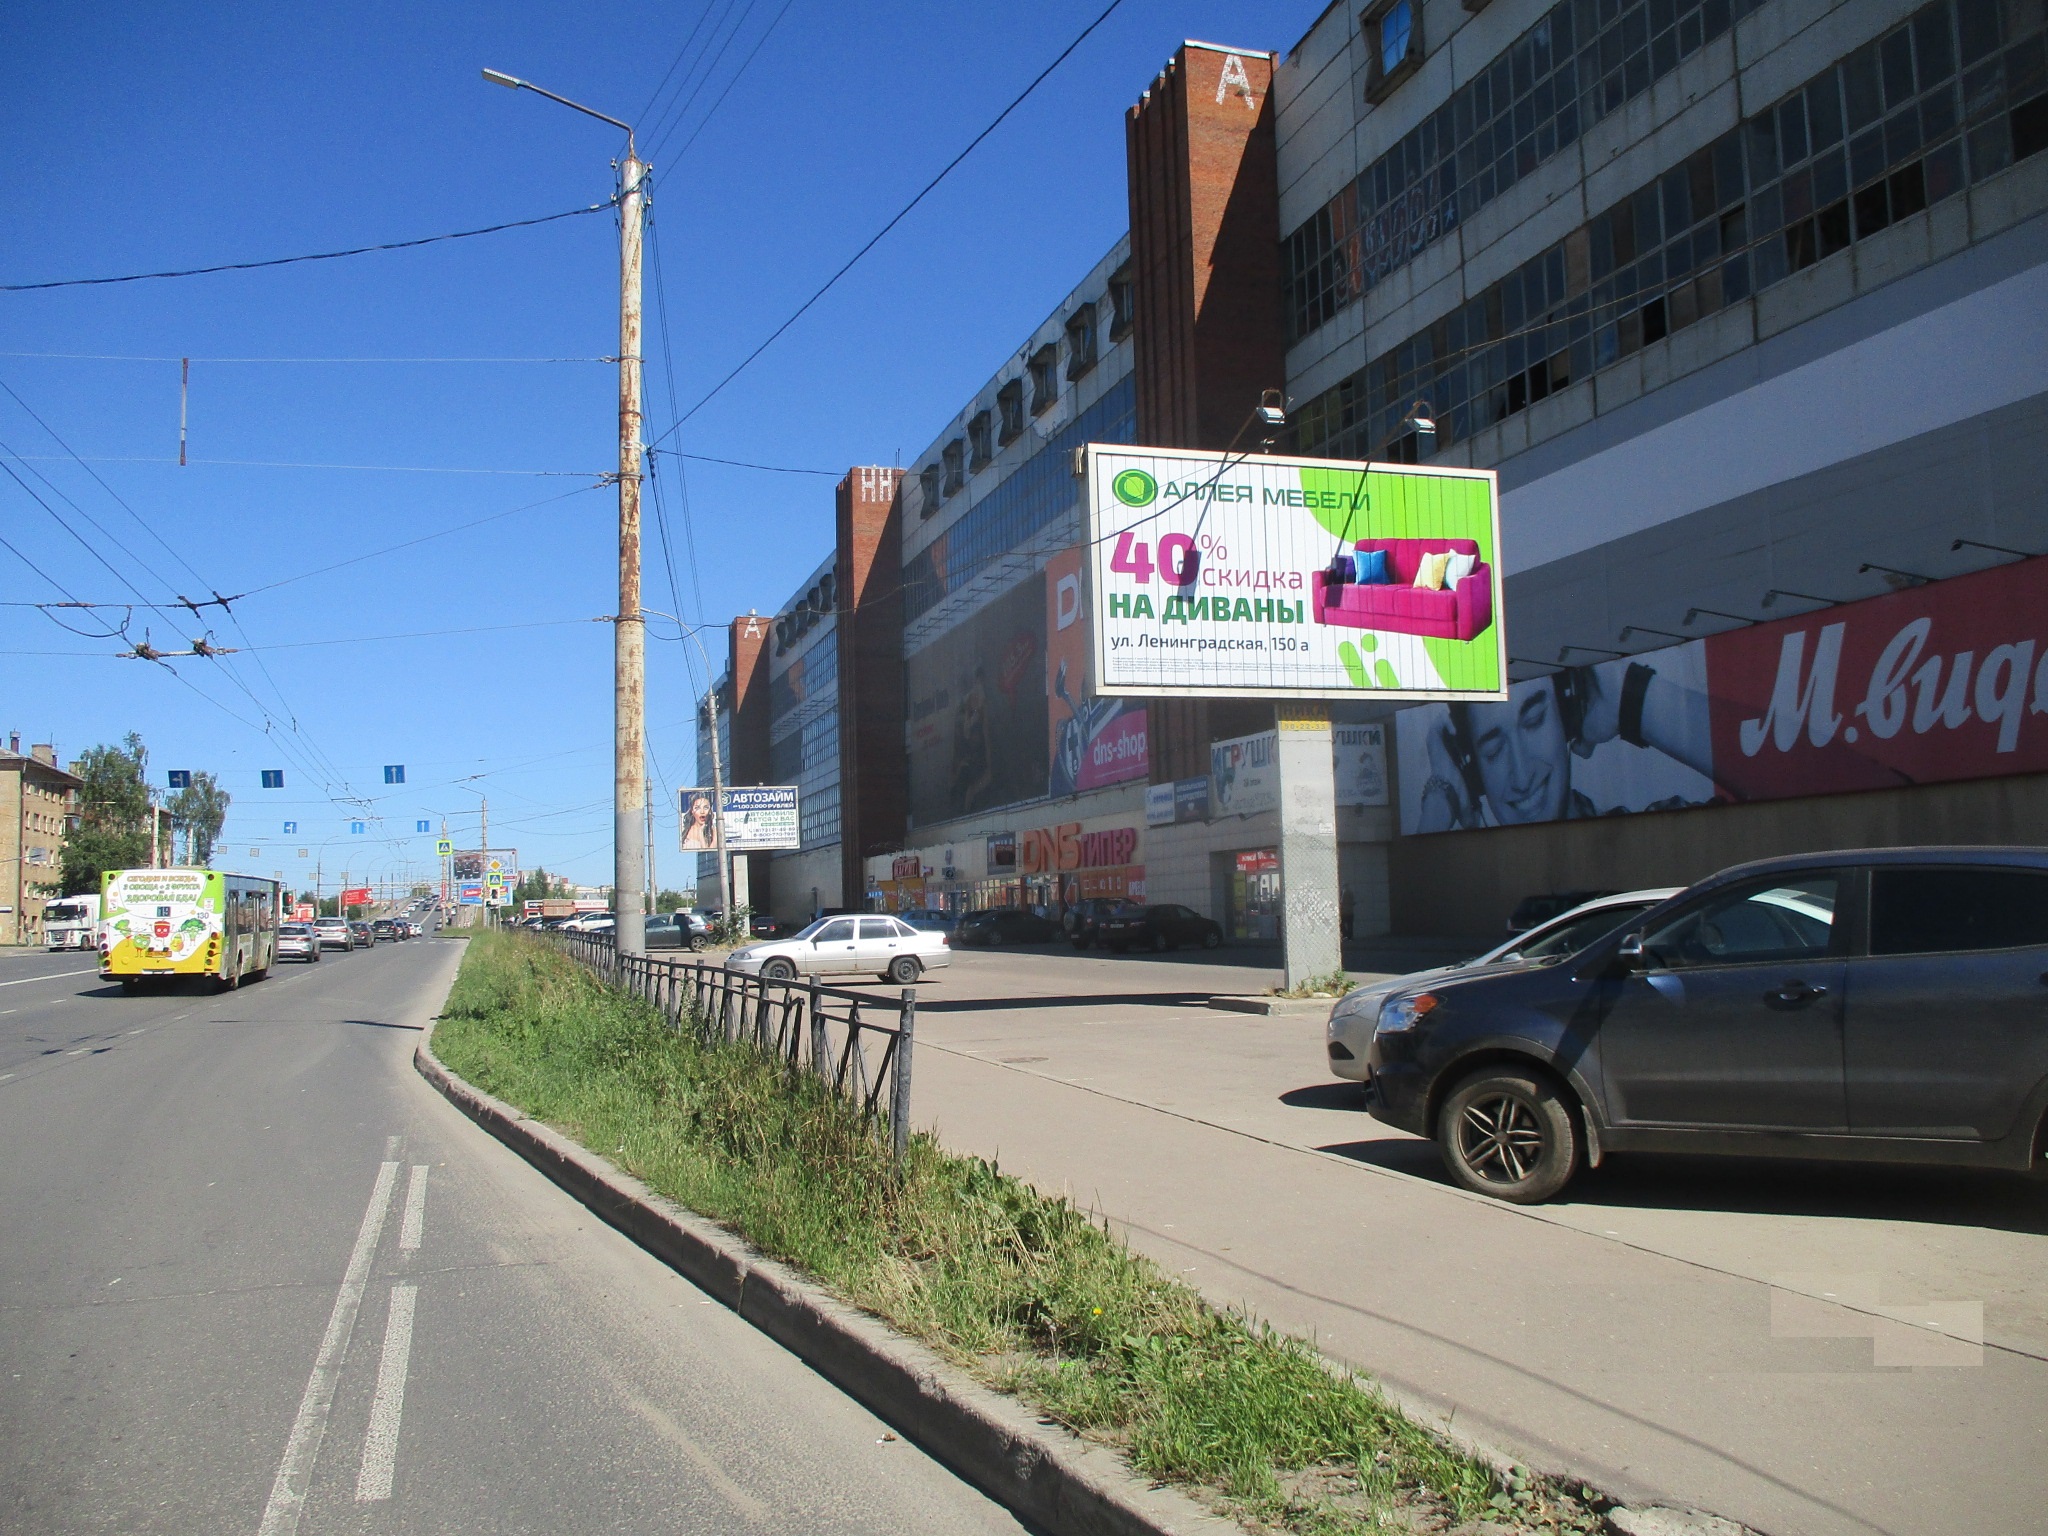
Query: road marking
{"x": 750, "y": 1508}
{"x": 53, "y": 976}
{"x": 415, "y": 1208}
{"x": 380, "y": 1445}
{"x": 295, "y": 1472}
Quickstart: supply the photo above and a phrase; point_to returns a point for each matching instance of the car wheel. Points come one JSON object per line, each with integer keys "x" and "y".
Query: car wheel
{"x": 1161, "y": 944}
{"x": 904, "y": 969}
{"x": 779, "y": 970}
{"x": 1509, "y": 1133}
{"x": 1080, "y": 941}
{"x": 1212, "y": 938}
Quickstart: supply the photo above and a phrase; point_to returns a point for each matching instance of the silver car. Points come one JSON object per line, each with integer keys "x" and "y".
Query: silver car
{"x": 1349, "y": 1034}
{"x": 297, "y": 941}
{"x": 335, "y": 933}
{"x": 871, "y": 945}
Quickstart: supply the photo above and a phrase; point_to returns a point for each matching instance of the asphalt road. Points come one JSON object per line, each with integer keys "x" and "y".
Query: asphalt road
{"x": 256, "y": 1277}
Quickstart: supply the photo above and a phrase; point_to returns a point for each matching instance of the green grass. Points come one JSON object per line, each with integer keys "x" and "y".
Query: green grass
{"x": 1335, "y": 984}
{"x": 1023, "y": 1289}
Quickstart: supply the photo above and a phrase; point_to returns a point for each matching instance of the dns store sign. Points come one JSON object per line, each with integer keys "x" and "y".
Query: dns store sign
{"x": 1050, "y": 850}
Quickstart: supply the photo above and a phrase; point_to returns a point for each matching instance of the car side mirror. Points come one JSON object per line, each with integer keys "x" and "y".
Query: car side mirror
{"x": 1630, "y": 956}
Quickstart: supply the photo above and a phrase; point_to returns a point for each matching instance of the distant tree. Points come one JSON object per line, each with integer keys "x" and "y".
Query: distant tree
{"x": 113, "y": 815}
{"x": 197, "y": 814}
{"x": 672, "y": 901}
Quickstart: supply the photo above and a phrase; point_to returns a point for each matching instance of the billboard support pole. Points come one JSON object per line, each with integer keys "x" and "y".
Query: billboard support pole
{"x": 1309, "y": 899}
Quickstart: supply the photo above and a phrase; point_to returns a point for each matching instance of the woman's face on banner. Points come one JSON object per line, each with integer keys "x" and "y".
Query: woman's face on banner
{"x": 700, "y": 811}
{"x": 1524, "y": 759}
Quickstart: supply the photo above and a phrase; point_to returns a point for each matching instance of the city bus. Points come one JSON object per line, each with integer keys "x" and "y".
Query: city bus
{"x": 162, "y": 923}
{"x": 71, "y": 922}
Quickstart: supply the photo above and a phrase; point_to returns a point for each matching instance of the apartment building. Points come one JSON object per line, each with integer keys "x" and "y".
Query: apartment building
{"x": 37, "y": 802}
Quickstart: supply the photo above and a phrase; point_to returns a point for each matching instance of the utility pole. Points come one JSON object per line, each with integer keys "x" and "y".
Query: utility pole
{"x": 629, "y": 637}
{"x": 629, "y": 654}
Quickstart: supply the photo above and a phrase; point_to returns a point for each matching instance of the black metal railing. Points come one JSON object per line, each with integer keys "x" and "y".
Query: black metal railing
{"x": 857, "y": 1043}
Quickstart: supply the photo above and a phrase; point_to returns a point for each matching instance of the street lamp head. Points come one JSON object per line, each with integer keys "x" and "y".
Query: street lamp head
{"x": 497, "y": 77}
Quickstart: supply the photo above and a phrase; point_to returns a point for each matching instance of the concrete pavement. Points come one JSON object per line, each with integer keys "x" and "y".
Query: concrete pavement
{"x": 258, "y": 1277}
{"x": 1807, "y": 1349}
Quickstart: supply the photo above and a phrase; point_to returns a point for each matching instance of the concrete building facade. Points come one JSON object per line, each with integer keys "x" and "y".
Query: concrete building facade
{"x": 37, "y": 801}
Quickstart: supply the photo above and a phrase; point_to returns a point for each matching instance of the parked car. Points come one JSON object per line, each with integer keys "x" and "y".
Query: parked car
{"x": 1085, "y": 916}
{"x": 1349, "y": 1034}
{"x": 389, "y": 928}
{"x": 1531, "y": 910}
{"x": 297, "y": 941}
{"x": 1881, "y": 1005}
{"x": 873, "y": 944}
{"x": 930, "y": 919}
{"x": 764, "y": 926}
{"x": 1160, "y": 927}
{"x": 1005, "y": 925}
{"x": 335, "y": 933}
{"x": 366, "y": 935}
{"x": 672, "y": 931}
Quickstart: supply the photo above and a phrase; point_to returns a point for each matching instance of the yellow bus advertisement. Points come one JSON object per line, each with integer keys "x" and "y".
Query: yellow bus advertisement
{"x": 163, "y": 923}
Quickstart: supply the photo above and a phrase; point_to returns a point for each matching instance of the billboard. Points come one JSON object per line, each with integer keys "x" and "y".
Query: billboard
{"x": 978, "y": 732}
{"x": 1244, "y": 775}
{"x": 1360, "y": 753}
{"x": 1095, "y": 741}
{"x": 1249, "y": 575}
{"x": 480, "y": 863}
{"x": 1940, "y": 682}
{"x": 760, "y": 816}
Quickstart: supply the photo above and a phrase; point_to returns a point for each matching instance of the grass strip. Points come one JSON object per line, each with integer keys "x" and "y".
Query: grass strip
{"x": 1022, "y": 1289}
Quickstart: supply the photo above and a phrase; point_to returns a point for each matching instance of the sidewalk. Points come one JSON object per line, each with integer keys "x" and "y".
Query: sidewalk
{"x": 1667, "y": 1333}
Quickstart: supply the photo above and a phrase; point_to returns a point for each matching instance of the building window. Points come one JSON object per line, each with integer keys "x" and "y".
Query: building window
{"x": 928, "y": 481}
{"x": 981, "y": 446}
{"x": 1393, "y": 31}
{"x": 954, "y": 454}
{"x": 1121, "y": 300}
{"x": 1941, "y": 102}
{"x": 1043, "y": 366}
{"x": 1010, "y": 406}
{"x": 1081, "y": 341}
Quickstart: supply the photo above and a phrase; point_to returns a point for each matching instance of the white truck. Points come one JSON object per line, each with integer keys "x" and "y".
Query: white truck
{"x": 71, "y": 922}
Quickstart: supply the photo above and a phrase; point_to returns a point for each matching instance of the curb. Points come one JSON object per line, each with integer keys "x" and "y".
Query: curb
{"x": 1029, "y": 1465}
{"x": 1269, "y": 1005}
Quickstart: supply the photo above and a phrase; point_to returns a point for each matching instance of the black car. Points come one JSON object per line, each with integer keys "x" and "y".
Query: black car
{"x": 763, "y": 926}
{"x": 1005, "y": 925}
{"x": 1161, "y": 927}
{"x": 1532, "y": 910}
{"x": 1886, "y": 1005}
{"x": 1084, "y": 918}
{"x": 389, "y": 929}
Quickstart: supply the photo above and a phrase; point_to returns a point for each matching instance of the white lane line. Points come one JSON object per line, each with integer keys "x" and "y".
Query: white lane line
{"x": 380, "y": 1445}
{"x": 53, "y": 976}
{"x": 295, "y": 1472}
{"x": 411, "y": 1228}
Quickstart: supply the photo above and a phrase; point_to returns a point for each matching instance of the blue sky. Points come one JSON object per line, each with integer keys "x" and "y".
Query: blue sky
{"x": 139, "y": 138}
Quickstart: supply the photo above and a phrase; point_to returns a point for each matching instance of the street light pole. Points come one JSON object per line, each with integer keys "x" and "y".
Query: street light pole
{"x": 629, "y": 639}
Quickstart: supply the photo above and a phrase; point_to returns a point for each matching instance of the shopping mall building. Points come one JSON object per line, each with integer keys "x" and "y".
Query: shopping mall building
{"x": 1746, "y": 303}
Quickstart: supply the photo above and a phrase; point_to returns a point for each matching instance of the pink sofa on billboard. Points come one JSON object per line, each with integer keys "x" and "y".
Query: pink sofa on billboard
{"x": 1456, "y": 613}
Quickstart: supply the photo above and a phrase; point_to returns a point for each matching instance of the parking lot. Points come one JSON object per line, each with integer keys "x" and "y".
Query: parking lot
{"x": 1804, "y": 1348}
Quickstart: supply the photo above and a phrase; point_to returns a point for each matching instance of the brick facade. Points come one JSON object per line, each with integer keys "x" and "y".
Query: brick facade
{"x": 873, "y": 771}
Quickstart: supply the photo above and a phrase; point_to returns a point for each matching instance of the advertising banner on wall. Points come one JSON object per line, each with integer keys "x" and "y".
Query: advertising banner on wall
{"x": 1934, "y": 683}
{"x": 1244, "y": 777}
{"x": 1095, "y": 741}
{"x": 978, "y": 734}
{"x": 477, "y": 863}
{"x": 1249, "y": 575}
{"x": 1360, "y": 752}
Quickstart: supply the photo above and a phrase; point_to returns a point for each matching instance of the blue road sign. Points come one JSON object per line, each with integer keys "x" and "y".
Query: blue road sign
{"x": 356, "y": 827}
{"x": 180, "y": 778}
{"x": 394, "y": 773}
{"x": 423, "y": 826}
{"x": 291, "y": 829}
{"x": 273, "y": 778}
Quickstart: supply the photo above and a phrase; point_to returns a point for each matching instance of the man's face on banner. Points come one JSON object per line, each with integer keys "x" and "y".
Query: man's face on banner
{"x": 1524, "y": 759}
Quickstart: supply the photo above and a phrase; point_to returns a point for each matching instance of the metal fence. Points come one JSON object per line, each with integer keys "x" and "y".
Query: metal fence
{"x": 857, "y": 1042}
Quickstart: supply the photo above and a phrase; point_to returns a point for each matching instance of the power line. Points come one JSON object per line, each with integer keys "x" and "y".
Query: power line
{"x": 658, "y": 118}
{"x": 683, "y": 99}
{"x": 129, "y": 357}
{"x": 900, "y": 215}
{"x": 387, "y": 469}
{"x": 286, "y": 261}
{"x": 705, "y": 120}
{"x": 773, "y": 469}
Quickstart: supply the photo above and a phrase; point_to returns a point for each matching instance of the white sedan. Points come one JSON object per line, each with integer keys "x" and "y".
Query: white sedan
{"x": 872, "y": 945}
{"x": 1349, "y": 1033}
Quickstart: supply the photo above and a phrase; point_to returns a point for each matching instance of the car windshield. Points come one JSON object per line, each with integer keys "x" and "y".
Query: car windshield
{"x": 1571, "y": 934}
{"x": 810, "y": 931}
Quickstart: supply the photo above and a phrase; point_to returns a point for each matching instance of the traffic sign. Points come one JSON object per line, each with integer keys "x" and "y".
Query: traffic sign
{"x": 423, "y": 826}
{"x": 273, "y": 778}
{"x": 444, "y": 847}
{"x": 180, "y": 778}
{"x": 291, "y": 829}
{"x": 356, "y": 828}
{"x": 394, "y": 773}
{"x": 302, "y": 853}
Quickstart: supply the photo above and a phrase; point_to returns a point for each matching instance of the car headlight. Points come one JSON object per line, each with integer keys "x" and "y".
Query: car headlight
{"x": 1399, "y": 1013}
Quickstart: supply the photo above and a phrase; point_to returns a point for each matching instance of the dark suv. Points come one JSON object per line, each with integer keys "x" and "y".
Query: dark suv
{"x": 1888, "y": 1005}
{"x": 1084, "y": 919}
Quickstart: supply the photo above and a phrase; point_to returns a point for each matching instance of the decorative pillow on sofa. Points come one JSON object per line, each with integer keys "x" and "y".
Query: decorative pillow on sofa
{"x": 1458, "y": 568}
{"x": 1429, "y": 571}
{"x": 1370, "y": 566}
